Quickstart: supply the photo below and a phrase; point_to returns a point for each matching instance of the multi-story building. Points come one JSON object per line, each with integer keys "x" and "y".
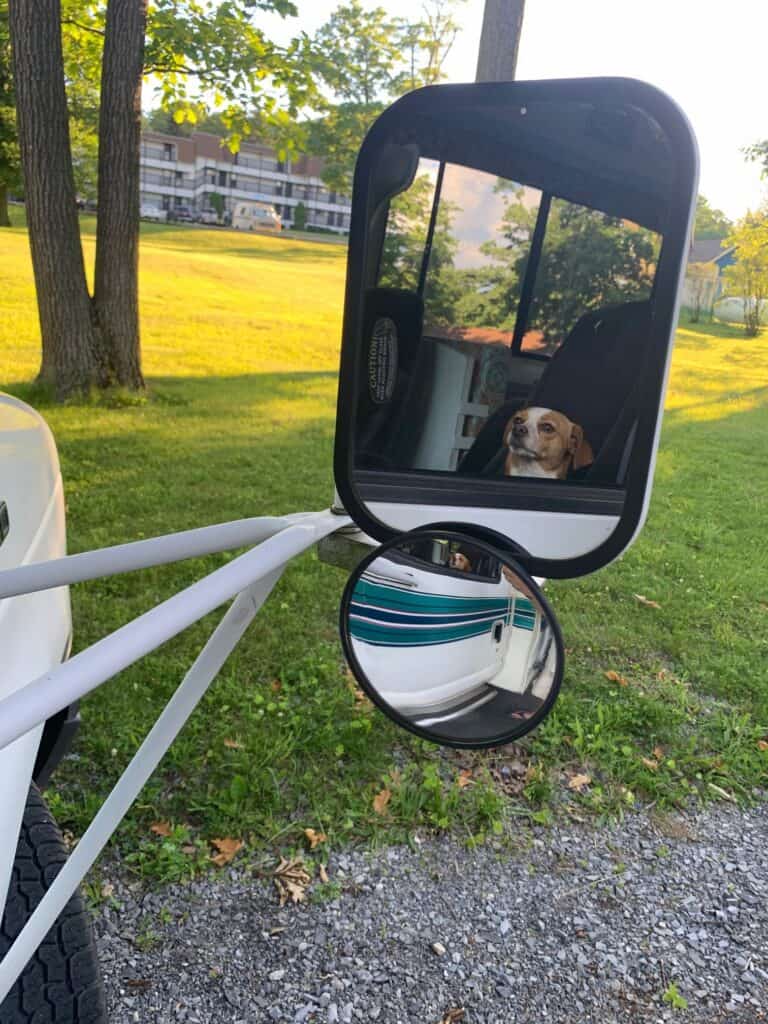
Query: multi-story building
{"x": 181, "y": 172}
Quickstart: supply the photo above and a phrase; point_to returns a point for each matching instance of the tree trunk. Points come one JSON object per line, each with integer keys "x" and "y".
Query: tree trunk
{"x": 70, "y": 360}
{"x": 116, "y": 295}
{"x": 499, "y": 40}
{"x": 5, "y": 220}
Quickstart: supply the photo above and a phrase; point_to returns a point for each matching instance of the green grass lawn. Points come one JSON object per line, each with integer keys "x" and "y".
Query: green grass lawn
{"x": 240, "y": 339}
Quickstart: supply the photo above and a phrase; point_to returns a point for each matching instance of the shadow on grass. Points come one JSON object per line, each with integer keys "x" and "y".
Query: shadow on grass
{"x": 197, "y": 451}
{"x": 672, "y": 415}
{"x": 716, "y": 330}
{"x": 283, "y": 251}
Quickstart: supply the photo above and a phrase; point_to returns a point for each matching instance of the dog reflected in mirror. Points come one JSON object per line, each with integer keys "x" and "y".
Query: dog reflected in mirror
{"x": 544, "y": 443}
{"x": 460, "y": 562}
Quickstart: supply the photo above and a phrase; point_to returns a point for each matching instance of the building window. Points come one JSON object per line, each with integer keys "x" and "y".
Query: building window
{"x": 331, "y": 197}
{"x": 168, "y": 151}
{"x": 288, "y": 189}
{"x": 223, "y": 179}
{"x": 178, "y": 175}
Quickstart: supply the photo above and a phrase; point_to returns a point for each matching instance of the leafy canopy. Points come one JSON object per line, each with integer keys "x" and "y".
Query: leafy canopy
{"x": 363, "y": 59}
{"x": 747, "y": 278}
{"x": 710, "y": 223}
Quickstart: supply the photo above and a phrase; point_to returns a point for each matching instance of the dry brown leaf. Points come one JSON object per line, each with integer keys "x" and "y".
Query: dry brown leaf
{"x": 275, "y": 686}
{"x": 227, "y": 849}
{"x": 762, "y": 744}
{"x": 658, "y": 752}
{"x": 650, "y": 763}
{"x": 189, "y": 849}
{"x": 323, "y": 874}
{"x": 616, "y": 678}
{"x": 642, "y": 599}
{"x": 314, "y": 838}
{"x": 161, "y": 828}
{"x": 579, "y": 781}
{"x": 465, "y": 778}
{"x": 138, "y": 984}
{"x": 233, "y": 745}
{"x": 107, "y": 890}
{"x": 291, "y": 879}
{"x": 381, "y": 800}
{"x": 452, "y": 1016}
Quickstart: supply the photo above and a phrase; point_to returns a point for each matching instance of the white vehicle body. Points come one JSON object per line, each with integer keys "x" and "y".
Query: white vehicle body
{"x": 253, "y": 216}
{"x": 731, "y": 311}
{"x": 35, "y": 629}
{"x": 431, "y": 640}
{"x": 149, "y": 212}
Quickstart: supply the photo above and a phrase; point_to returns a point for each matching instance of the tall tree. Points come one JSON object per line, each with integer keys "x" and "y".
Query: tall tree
{"x": 363, "y": 59}
{"x": 213, "y": 45}
{"x": 710, "y": 223}
{"x": 72, "y": 359}
{"x": 116, "y": 291}
{"x": 10, "y": 167}
{"x": 748, "y": 276}
{"x": 426, "y": 43}
{"x": 757, "y": 153}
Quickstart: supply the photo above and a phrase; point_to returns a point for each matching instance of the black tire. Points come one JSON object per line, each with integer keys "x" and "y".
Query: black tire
{"x": 62, "y": 982}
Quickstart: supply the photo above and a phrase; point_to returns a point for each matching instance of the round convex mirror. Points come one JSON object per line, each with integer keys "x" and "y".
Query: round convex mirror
{"x": 452, "y": 639}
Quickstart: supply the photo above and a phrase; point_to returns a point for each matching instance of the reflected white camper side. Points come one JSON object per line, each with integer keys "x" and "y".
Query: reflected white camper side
{"x": 434, "y": 639}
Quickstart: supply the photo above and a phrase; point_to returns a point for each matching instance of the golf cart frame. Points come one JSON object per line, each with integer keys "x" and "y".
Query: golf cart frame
{"x": 246, "y": 581}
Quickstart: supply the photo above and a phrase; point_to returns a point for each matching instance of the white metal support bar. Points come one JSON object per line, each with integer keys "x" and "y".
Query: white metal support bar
{"x": 142, "y": 554}
{"x": 67, "y": 683}
{"x": 165, "y": 730}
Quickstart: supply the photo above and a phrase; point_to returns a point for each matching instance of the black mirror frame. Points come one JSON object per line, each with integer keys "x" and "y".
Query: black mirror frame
{"x": 424, "y": 734}
{"x": 440, "y": 99}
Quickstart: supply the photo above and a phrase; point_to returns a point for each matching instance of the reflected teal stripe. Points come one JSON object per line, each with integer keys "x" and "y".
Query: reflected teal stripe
{"x": 367, "y": 592}
{"x": 391, "y": 636}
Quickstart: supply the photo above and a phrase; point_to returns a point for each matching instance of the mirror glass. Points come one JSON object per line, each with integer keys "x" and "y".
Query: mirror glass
{"x": 452, "y": 639}
{"x": 513, "y": 275}
{"x": 492, "y": 397}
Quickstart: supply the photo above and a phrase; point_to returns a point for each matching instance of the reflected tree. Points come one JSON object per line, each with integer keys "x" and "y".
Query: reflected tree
{"x": 404, "y": 245}
{"x": 589, "y": 260}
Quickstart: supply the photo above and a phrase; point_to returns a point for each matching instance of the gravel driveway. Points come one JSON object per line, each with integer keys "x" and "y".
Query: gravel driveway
{"x": 576, "y": 926}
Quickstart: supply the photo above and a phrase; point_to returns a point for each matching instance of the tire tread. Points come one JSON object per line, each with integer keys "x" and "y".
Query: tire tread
{"x": 62, "y": 983}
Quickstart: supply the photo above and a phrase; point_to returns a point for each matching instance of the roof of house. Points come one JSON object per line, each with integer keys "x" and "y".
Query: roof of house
{"x": 708, "y": 250}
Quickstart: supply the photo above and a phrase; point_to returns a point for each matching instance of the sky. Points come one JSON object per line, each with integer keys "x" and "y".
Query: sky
{"x": 708, "y": 55}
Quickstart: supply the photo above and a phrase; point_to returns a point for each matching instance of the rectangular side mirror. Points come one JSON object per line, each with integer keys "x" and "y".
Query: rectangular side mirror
{"x": 516, "y": 252}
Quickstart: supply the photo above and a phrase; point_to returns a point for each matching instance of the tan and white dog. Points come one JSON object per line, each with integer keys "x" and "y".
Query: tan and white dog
{"x": 545, "y": 443}
{"x": 460, "y": 562}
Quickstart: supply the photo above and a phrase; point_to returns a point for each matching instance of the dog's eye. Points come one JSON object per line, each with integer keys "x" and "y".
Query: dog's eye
{"x": 547, "y": 428}
{"x": 518, "y": 419}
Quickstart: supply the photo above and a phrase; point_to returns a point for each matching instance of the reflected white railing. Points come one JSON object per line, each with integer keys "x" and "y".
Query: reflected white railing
{"x": 248, "y": 580}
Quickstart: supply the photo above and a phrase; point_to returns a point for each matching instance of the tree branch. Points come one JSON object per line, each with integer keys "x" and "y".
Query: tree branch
{"x": 85, "y": 28}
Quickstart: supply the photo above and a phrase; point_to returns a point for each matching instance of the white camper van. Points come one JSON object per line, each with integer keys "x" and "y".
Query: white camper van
{"x": 252, "y": 216}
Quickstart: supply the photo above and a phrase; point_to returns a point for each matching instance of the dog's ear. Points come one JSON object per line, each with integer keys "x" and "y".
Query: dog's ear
{"x": 580, "y": 448}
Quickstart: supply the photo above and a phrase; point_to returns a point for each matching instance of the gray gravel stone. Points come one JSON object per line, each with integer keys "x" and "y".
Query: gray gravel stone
{"x": 552, "y": 933}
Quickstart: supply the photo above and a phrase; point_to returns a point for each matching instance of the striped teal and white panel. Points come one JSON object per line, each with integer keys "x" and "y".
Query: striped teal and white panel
{"x": 390, "y": 615}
